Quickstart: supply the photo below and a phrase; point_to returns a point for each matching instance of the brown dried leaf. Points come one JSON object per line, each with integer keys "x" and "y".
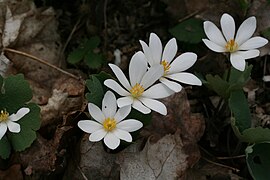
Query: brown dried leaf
{"x": 13, "y": 172}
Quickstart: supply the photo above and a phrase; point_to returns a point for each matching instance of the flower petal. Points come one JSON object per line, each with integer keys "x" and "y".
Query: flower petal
{"x": 238, "y": 62}
{"x": 122, "y": 113}
{"x": 253, "y": 43}
{"x": 121, "y": 134}
{"x": 186, "y": 78}
{"x": 152, "y": 75}
{"x": 89, "y": 126}
{"x": 111, "y": 141}
{"x": 248, "y": 54}
{"x": 120, "y": 76}
{"x": 214, "y": 34}
{"x": 154, "y": 105}
{"x": 20, "y": 113}
{"x": 183, "y": 62}
{"x": 140, "y": 107}
{"x": 130, "y": 125}
{"x": 13, "y": 126}
{"x": 95, "y": 112}
{"x": 228, "y": 26}
{"x": 137, "y": 68}
{"x": 170, "y": 50}
{"x": 147, "y": 53}
{"x": 109, "y": 105}
{"x": 124, "y": 101}
{"x": 3, "y": 129}
{"x": 158, "y": 91}
{"x": 112, "y": 84}
{"x": 155, "y": 47}
{"x": 97, "y": 135}
{"x": 213, "y": 46}
{"x": 246, "y": 30}
{"x": 172, "y": 85}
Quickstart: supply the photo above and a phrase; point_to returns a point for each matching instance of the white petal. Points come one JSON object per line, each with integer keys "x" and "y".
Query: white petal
{"x": 137, "y": 68}
{"x": 147, "y": 53}
{"x": 246, "y": 30}
{"x": 20, "y": 113}
{"x": 111, "y": 141}
{"x": 213, "y": 33}
{"x": 228, "y": 26}
{"x": 109, "y": 105}
{"x": 155, "y": 47}
{"x": 112, "y": 84}
{"x": 253, "y": 43}
{"x": 122, "y": 113}
{"x": 13, "y": 126}
{"x": 140, "y": 107}
{"x": 3, "y": 129}
{"x": 248, "y": 54}
{"x": 170, "y": 50}
{"x": 120, "y": 76}
{"x": 154, "y": 105}
{"x": 89, "y": 126}
{"x": 152, "y": 75}
{"x": 183, "y": 62}
{"x": 238, "y": 62}
{"x": 97, "y": 135}
{"x": 213, "y": 46}
{"x": 121, "y": 134}
{"x": 172, "y": 85}
{"x": 95, "y": 112}
{"x": 158, "y": 91}
{"x": 130, "y": 125}
{"x": 124, "y": 101}
{"x": 186, "y": 78}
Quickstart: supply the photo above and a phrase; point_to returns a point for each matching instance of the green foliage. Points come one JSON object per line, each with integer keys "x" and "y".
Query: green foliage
{"x": 189, "y": 31}
{"x": 258, "y": 160}
{"x": 15, "y": 94}
{"x": 85, "y": 52}
{"x": 266, "y": 32}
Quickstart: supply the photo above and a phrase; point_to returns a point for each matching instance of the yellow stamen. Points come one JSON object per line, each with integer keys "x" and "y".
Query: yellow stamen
{"x": 109, "y": 124}
{"x": 137, "y": 90}
{"x": 3, "y": 115}
{"x": 166, "y": 66}
{"x": 231, "y": 46}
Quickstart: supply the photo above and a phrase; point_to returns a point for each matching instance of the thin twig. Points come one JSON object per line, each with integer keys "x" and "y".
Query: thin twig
{"x": 40, "y": 61}
{"x": 221, "y": 165}
{"x": 189, "y": 16}
{"x": 231, "y": 157}
{"x": 105, "y": 24}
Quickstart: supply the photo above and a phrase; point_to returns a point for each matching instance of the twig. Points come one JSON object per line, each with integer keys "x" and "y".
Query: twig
{"x": 232, "y": 157}
{"x": 221, "y": 165}
{"x": 189, "y": 16}
{"x": 105, "y": 24}
{"x": 40, "y": 61}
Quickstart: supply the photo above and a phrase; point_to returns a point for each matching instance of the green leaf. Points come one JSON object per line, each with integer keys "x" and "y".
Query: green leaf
{"x": 30, "y": 123}
{"x": 218, "y": 85}
{"x": 190, "y": 31}
{"x": 239, "y": 107}
{"x": 258, "y": 160}
{"x": 266, "y": 32}
{"x": 15, "y": 93}
{"x": 96, "y": 93}
{"x": 4, "y": 148}
{"x": 238, "y": 79}
{"x": 76, "y": 56}
{"x": 93, "y": 60}
{"x": 91, "y": 44}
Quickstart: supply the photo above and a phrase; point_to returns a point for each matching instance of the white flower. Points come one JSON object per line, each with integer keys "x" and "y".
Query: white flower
{"x": 172, "y": 69}
{"x": 240, "y": 46}
{"x": 9, "y": 121}
{"x": 109, "y": 124}
{"x": 138, "y": 92}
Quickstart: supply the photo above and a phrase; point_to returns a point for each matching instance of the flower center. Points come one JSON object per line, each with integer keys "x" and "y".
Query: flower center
{"x": 3, "y": 115}
{"x": 137, "y": 90}
{"x": 166, "y": 66}
{"x": 231, "y": 46}
{"x": 109, "y": 124}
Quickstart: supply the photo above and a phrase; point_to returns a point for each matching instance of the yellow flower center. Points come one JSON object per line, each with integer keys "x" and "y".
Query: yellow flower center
{"x": 166, "y": 66}
{"x": 3, "y": 115}
{"x": 137, "y": 90}
{"x": 109, "y": 124}
{"x": 231, "y": 46}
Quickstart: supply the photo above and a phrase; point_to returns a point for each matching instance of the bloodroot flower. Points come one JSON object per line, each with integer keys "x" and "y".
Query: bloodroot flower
{"x": 139, "y": 92}
{"x": 172, "y": 68}
{"x": 240, "y": 46}
{"x": 9, "y": 121}
{"x": 108, "y": 123}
